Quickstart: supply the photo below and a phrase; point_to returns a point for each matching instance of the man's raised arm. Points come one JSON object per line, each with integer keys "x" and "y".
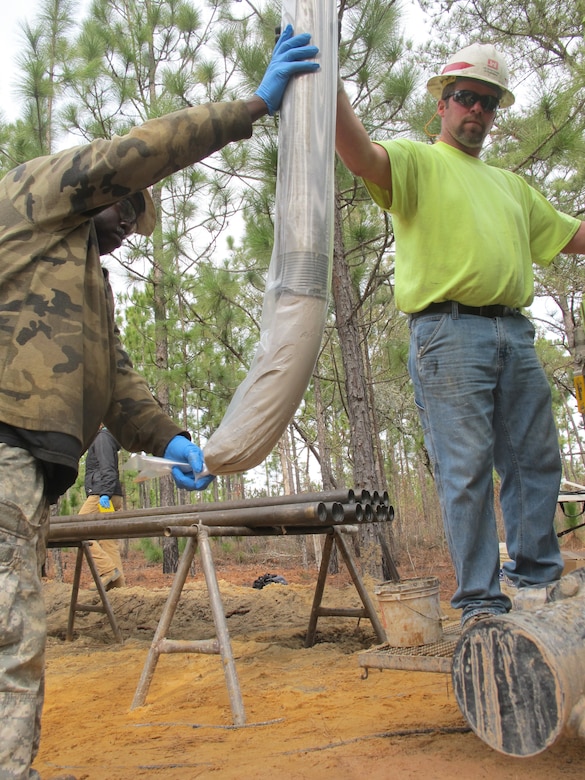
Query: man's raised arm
{"x": 356, "y": 150}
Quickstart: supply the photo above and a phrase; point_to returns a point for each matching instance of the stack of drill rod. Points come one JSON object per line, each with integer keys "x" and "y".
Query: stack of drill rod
{"x": 301, "y": 513}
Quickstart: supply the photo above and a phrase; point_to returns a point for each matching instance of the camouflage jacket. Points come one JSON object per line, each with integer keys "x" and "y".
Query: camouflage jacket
{"x": 63, "y": 368}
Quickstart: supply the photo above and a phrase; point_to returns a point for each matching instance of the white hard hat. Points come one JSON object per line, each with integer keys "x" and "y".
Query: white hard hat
{"x": 479, "y": 61}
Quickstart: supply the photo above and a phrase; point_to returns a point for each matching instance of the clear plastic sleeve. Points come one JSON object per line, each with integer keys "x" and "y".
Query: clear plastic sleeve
{"x": 298, "y": 279}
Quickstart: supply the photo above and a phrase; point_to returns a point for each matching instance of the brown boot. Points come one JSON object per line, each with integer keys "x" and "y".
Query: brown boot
{"x": 119, "y": 583}
{"x": 108, "y": 579}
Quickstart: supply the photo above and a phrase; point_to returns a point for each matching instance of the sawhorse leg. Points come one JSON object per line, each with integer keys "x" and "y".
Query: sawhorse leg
{"x": 222, "y": 645}
{"x": 368, "y": 611}
{"x": 84, "y": 548}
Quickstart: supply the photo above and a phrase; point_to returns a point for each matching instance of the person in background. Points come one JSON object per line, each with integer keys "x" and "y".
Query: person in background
{"x": 63, "y": 369}
{"x": 104, "y": 494}
{"x": 467, "y": 235}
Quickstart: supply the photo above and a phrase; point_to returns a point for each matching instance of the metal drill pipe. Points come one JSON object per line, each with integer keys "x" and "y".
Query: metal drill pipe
{"x": 373, "y": 497}
{"x": 353, "y": 513}
{"x": 384, "y": 513}
{"x": 345, "y": 497}
{"x": 383, "y": 497}
{"x": 335, "y": 513}
{"x": 226, "y": 530}
{"x": 368, "y": 513}
{"x": 125, "y": 527}
{"x": 120, "y": 527}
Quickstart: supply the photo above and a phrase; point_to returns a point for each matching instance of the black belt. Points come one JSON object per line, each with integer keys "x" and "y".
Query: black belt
{"x": 452, "y": 307}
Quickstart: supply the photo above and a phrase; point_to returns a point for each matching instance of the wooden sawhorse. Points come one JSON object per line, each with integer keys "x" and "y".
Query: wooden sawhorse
{"x": 198, "y": 537}
{"x": 84, "y": 549}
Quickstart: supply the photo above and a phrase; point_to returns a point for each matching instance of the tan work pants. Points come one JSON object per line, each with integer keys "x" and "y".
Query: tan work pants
{"x": 106, "y": 552}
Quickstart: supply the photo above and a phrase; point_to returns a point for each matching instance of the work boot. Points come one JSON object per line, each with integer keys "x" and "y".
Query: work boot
{"x": 475, "y": 618}
{"x": 532, "y": 597}
{"x": 108, "y": 579}
{"x": 507, "y": 587}
{"x": 119, "y": 583}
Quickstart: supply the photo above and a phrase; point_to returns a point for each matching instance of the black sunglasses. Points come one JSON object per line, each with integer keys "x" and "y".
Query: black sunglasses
{"x": 468, "y": 98}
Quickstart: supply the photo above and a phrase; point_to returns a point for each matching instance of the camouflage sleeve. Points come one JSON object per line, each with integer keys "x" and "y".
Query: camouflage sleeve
{"x": 63, "y": 189}
{"x": 134, "y": 417}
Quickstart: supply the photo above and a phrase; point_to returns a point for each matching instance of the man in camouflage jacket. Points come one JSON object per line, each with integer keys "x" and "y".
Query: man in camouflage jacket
{"x": 63, "y": 369}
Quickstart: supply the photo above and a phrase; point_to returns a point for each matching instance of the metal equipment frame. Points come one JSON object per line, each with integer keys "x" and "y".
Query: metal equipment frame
{"x": 333, "y": 514}
{"x": 198, "y": 538}
{"x": 84, "y": 549}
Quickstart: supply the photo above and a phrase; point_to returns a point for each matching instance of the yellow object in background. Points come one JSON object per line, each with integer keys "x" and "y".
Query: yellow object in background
{"x": 109, "y": 509}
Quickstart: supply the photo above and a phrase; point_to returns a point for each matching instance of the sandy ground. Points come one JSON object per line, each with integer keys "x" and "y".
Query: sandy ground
{"x": 310, "y": 714}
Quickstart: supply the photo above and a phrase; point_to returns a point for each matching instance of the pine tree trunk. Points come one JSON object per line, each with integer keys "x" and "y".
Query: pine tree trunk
{"x": 167, "y": 490}
{"x": 361, "y": 434}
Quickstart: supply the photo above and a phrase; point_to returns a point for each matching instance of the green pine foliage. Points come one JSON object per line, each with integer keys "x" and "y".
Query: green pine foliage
{"x": 190, "y": 298}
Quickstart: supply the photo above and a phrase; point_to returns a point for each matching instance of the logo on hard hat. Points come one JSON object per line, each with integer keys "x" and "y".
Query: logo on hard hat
{"x": 493, "y": 64}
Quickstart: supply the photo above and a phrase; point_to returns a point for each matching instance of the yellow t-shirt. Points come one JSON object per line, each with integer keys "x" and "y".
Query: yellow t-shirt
{"x": 465, "y": 231}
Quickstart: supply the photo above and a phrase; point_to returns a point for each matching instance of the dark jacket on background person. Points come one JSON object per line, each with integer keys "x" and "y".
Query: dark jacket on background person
{"x": 64, "y": 370}
{"x": 102, "y": 475}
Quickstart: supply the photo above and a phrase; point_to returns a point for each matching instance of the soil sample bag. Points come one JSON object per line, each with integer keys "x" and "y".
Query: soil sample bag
{"x": 298, "y": 280}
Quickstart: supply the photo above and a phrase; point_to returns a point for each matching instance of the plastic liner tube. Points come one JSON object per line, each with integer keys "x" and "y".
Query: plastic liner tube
{"x": 299, "y": 274}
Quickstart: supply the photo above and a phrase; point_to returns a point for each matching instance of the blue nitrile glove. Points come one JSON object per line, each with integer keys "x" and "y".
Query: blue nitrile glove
{"x": 181, "y": 449}
{"x": 289, "y": 57}
{"x": 105, "y": 502}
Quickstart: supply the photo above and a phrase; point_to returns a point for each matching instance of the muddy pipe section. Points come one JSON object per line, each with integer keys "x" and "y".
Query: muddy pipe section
{"x": 519, "y": 678}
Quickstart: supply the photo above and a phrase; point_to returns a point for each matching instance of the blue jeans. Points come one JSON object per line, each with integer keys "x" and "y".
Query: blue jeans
{"x": 484, "y": 404}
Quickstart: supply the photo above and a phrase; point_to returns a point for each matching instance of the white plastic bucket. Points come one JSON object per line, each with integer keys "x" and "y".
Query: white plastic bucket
{"x": 411, "y": 611}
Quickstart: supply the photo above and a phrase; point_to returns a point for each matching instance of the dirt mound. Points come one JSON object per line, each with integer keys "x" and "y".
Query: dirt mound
{"x": 309, "y": 712}
{"x": 276, "y": 613}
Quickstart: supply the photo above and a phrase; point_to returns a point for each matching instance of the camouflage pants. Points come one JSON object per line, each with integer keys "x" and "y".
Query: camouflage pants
{"x": 24, "y": 520}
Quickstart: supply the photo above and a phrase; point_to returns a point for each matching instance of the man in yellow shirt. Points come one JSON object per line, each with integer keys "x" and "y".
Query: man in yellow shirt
{"x": 467, "y": 235}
